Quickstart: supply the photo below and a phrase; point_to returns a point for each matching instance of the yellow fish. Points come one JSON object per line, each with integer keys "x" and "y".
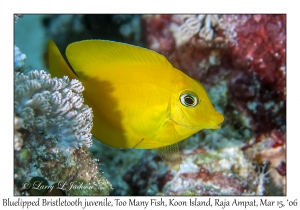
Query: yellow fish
{"x": 139, "y": 99}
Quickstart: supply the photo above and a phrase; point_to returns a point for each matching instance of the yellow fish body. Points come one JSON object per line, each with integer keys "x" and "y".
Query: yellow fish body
{"x": 139, "y": 99}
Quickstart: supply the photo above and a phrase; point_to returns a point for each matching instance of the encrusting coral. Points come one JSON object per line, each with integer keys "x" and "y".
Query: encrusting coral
{"x": 203, "y": 171}
{"x": 52, "y": 136}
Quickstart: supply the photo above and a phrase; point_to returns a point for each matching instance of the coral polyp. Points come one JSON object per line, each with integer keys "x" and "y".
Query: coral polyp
{"x": 53, "y": 107}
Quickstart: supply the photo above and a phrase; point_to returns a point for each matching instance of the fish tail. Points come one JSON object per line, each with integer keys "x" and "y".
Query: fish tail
{"x": 58, "y": 67}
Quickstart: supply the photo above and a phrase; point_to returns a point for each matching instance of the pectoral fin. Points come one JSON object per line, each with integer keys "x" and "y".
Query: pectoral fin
{"x": 170, "y": 155}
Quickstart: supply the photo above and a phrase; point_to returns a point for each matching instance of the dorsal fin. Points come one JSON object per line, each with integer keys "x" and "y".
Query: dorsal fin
{"x": 86, "y": 57}
{"x": 170, "y": 155}
{"x": 57, "y": 64}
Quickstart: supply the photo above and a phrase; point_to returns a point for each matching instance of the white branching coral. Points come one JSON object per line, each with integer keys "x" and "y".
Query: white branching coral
{"x": 209, "y": 21}
{"x": 17, "y": 16}
{"x": 18, "y": 141}
{"x": 262, "y": 177}
{"x": 190, "y": 25}
{"x": 19, "y": 59}
{"x": 53, "y": 107}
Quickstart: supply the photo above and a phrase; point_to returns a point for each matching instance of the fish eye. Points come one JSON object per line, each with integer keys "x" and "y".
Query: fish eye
{"x": 188, "y": 100}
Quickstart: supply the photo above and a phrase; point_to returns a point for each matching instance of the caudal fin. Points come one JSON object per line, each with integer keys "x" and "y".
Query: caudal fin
{"x": 57, "y": 64}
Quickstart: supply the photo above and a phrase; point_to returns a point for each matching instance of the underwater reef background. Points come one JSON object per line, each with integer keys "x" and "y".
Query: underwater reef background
{"x": 241, "y": 61}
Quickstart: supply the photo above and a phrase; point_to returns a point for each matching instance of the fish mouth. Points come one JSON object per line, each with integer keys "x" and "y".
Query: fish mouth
{"x": 215, "y": 126}
{"x": 218, "y": 126}
{"x": 211, "y": 125}
{"x": 219, "y": 122}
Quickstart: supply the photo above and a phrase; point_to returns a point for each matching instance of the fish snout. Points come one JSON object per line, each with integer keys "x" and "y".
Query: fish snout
{"x": 217, "y": 121}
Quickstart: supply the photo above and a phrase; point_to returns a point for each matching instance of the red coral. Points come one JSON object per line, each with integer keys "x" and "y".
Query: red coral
{"x": 260, "y": 48}
{"x": 256, "y": 44}
{"x": 268, "y": 148}
{"x": 282, "y": 168}
{"x": 194, "y": 58}
{"x": 156, "y": 33}
{"x": 256, "y": 55}
{"x": 276, "y": 138}
{"x": 279, "y": 139}
{"x": 236, "y": 185}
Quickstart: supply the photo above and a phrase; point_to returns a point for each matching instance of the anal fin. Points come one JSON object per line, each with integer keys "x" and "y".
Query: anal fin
{"x": 170, "y": 155}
